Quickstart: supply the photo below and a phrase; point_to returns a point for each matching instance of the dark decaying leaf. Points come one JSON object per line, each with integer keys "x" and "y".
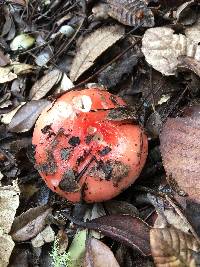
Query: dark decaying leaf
{"x": 25, "y": 117}
{"x": 126, "y": 229}
{"x": 189, "y": 63}
{"x": 131, "y": 12}
{"x": 171, "y": 247}
{"x": 99, "y": 255}
{"x": 8, "y": 22}
{"x": 186, "y": 14}
{"x": 113, "y": 74}
{"x": 4, "y": 60}
{"x": 154, "y": 124}
{"x": 123, "y": 207}
{"x": 30, "y": 223}
{"x": 20, "y": 257}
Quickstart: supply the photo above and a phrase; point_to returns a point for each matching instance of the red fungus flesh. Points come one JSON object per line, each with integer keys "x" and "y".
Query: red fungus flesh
{"x": 84, "y": 150}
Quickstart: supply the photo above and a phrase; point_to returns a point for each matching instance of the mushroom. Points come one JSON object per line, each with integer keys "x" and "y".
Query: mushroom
{"x": 87, "y": 147}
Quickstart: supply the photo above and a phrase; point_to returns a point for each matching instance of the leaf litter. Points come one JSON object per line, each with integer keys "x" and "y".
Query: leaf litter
{"x": 92, "y": 47}
{"x": 148, "y": 53}
{"x": 9, "y": 202}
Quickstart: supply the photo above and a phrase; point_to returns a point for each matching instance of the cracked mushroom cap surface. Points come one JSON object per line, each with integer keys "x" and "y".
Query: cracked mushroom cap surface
{"x": 84, "y": 150}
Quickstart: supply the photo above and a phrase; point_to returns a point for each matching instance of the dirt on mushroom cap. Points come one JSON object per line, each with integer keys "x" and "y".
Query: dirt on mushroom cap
{"x": 104, "y": 156}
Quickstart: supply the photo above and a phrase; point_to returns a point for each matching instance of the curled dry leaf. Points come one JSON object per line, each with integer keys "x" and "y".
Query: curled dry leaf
{"x": 11, "y": 72}
{"x": 92, "y": 47}
{"x": 131, "y": 12}
{"x": 99, "y": 255}
{"x": 161, "y": 48}
{"x": 8, "y": 21}
{"x": 7, "y": 117}
{"x": 30, "y": 223}
{"x": 45, "y": 84}
{"x": 180, "y": 146}
{"x": 9, "y": 202}
{"x": 113, "y": 74}
{"x": 193, "y": 32}
{"x": 172, "y": 248}
{"x": 46, "y": 236}
{"x": 126, "y": 229}
{"x": 26, "y": 116}
{"x": 172, "y": 218}
{"x": 190, "y": 64}
{"x": 185, "y": 14}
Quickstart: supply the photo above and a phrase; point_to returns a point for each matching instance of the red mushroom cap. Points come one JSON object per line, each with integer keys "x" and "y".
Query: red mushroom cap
{"x": 82, "y": 151}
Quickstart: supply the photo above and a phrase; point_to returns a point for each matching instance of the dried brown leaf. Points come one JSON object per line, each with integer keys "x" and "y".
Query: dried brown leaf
{"x": 7, "y": 117}
{"x": 193, "y": 32}
{"x": 6, "y": 75}
{"x": 11, "y": 72}
{"x": 4, "y": 60}
{"x": 173, "y": 219}
{"x": 180, "y": 146}
{"x": 30, "y": 223}
{"x": 8, "y": 21}
{"x": 46, "y": 236}
{"x": 172, "y": 248}
{"x": 127, "y": 229}
{"x": 92, "y": 47}
{"x": 21, "y": 68}
{"x": 99, "y": 255}
{"x": 161, "y": 48}
{"x": 45, "y": 84}
{"x": 131, "y": 12}
{"x": 6, "y": 247}
{"x": 190, "y": 64}
{"x": 26, "y": 115}
{"x": 9, "y": 202}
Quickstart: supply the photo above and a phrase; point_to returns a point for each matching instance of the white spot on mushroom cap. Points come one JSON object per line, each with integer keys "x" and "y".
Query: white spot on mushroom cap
{"x": 91, "y": 130}
{"x": 61, "y": 110}
{"x": 83, "y": 103}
